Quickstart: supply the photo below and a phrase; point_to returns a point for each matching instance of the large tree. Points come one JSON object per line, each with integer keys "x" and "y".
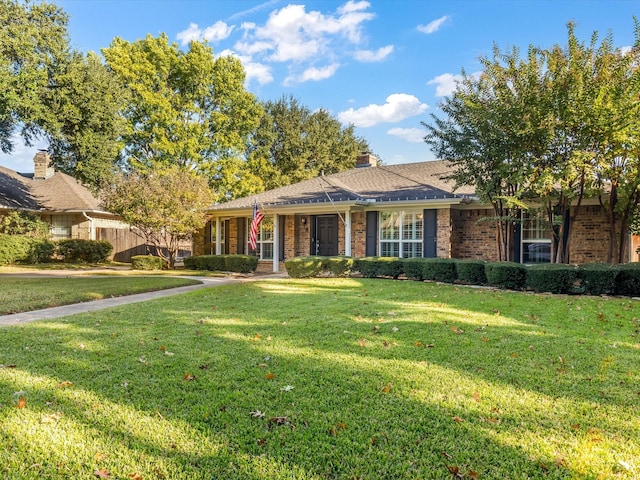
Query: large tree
{"x": 83, "y": 124}
{"x": 292, "y": 144}
{"x": 33, "y": 44}
{"x": 185, "y": 108}
{"x": 165, "y": 205}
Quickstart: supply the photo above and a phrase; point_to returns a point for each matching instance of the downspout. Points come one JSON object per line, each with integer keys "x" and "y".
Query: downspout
{"x": 92, "y": 231}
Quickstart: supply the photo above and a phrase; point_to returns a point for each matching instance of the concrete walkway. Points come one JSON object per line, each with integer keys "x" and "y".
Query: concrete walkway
{"x": 63, "y": 311}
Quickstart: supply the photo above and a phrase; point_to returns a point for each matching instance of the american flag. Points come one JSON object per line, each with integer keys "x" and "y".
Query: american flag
{"x": 255, "y": 225}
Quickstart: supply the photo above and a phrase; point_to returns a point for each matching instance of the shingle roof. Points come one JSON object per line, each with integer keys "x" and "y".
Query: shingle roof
{"x": 390, "y": 183}
{"x": 60, "y": 192}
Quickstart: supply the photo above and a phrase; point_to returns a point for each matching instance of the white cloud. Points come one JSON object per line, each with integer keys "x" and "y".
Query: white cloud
{"x": 626, "y": 49}
{"x": 373, "y": 56}
{"x": 217, "y": 31}
{"x": 257, "y": 8}
{"x": 445, "y": 84}
{"x": 433, "y": 26}
{"x": 415, "y": 135}
{"x": 253, "y": 70}
{"x": 313, "y": 74}
{"x": 398, "y": 106}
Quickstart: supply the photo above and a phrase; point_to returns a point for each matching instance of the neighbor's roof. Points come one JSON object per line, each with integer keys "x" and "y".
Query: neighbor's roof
{"x": 386, "y": 183}
{"x": 60, "y": 192}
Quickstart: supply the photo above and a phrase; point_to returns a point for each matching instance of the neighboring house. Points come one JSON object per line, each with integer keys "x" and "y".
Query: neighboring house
{"x": 402, "y": 210}
{"x": 67, "y": 206}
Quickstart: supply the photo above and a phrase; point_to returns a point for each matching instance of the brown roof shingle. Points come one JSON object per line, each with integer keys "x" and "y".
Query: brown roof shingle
{"x": 411, "y": 181}
{"x": 60, "y": 192}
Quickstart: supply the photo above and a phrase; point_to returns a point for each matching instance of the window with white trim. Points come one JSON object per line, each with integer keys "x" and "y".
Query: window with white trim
{"x": 61, "y": 227}
{"x": 264, "y": 244}
{"x": 213, "y": 236}
{"x": 536, "y": 238}
{"x": 401, "y": 233}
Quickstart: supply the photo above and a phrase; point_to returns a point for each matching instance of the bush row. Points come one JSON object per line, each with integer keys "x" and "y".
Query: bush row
{"x": 222, "y": 263}
{"x": 23, "y": 249}
{"x": 592, "y": 279}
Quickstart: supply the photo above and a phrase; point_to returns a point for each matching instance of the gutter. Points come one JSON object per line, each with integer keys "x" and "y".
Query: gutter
{"x": 92, "y": 231}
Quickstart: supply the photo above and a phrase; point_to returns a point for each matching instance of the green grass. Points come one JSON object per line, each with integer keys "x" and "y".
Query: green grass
{"x": 327, "y": 378}
{"x": 28, "y": 293}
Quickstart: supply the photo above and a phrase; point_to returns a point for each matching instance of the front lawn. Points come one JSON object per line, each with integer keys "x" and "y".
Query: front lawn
{"x": 24, "y": 294}
{"x": 327, "y": 378}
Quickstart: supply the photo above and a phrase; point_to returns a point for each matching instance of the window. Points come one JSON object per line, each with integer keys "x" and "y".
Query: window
{"x": 401, "y": 234}
{"x": 536, "y": 238}
{"x": 61, "y": 227}
{"x": 264, "y": 245}
{"x": 213, "y": 236}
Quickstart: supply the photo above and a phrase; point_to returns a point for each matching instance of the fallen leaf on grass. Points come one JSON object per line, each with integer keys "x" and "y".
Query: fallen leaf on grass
{"x": 270, "y": 376}
{"x": 457, "y": 330}
{"x": 362, "y": 342}
{"x": 476, "y": 396}
{"x": 473, "y": 475}
{"x": 286, "y": 388}
{"x": 457, "y": 419}
{"x": 11, "y": 365}
{"x": 257, "y": 414}
{"x": 387, "y": 388}
{"x": 455, "y": 471}
{"x": 335, "y": 429}
{"x": 102, "y": 473}
{"x": 21, "y": 403}
{"x": 188, "y": 377}
{"x": 64, "y": 384}
{"x": 135, "y": 476}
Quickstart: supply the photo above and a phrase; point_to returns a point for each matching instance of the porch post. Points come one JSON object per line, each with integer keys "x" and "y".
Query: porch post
{"x": 276, "y": 243}
{"x": 347, "y": 233}
{"x": 218, "y": 244}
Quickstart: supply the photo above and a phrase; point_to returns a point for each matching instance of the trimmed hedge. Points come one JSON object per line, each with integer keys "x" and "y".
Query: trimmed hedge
{"x": 23, "y": 249}
{"x": 439, "y": 269}
{"x": 313, "y": 266}
{"x": 598, "y": 278}
{"x": 83, "y": 251}
{"x": 373, "y": 267}
{"x": 471, "y": 272}
{"x": 507, "y": 275}
{"x": 552, "y": 278}
{"x": 147, "y": 262}
{"x": 222, "y": 263}
{"x": 628, "y": 279}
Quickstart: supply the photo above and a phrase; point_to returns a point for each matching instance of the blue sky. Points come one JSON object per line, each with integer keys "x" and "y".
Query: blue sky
{"x": 383, "y": 65}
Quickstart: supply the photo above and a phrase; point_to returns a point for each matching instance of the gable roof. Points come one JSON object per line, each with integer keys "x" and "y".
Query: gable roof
{"x": 386, "y": 184}
{"x": 59, "y": 192}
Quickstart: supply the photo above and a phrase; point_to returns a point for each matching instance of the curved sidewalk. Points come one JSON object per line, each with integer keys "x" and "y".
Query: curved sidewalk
{"x": 72, "y": 309}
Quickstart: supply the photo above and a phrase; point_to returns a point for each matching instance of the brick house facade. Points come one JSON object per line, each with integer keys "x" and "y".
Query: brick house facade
{"x": 398, "y": 210}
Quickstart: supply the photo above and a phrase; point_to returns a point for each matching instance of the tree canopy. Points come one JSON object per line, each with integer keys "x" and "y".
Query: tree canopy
{"x": 165, "y": 205}
{"x": 544, "y": 132}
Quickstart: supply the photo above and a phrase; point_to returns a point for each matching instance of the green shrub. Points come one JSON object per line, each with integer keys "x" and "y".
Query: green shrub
{"x": 303, "y": 267}
{"x": 372, "y": 267}
{"x": 338, "y": 266}
{"x": 42, "y": 251}
{"x": 14, "y": 249}
{"x": 471, "y": 272}
{"x": 147, "y": 262}
{"x": 598, "y": 278}
{"x": 552, "y": 278}
{"x": 439, "y": 269}
{"x": 628, "y": 279}
{"x": 412, "y": 268}
{"x": 215, "y": 263}
{"x": 240, "y": 263}
{"x": 508, "y": 275}
{"x": 83, "y": 251}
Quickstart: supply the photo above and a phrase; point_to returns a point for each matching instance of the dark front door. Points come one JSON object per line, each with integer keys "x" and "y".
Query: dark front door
{"x": 327, "y": 235}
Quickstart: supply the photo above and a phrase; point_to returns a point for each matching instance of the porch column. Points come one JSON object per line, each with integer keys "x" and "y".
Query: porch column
{"x": 347, "y": 233}
{"x": 218, "y": 243}
{"x": 276, "y": 243}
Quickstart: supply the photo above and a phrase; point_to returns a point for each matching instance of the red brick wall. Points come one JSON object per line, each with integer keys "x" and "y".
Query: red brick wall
{"x": 589, "y": 241}
{"x": 443, "y": 234}
{"x": 358, "y": 234}
{"x": 473, "y": 239}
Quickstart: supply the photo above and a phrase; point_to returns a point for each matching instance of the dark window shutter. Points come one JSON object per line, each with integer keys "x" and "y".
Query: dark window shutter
{"x": 242, "y": 223}
{"x": 226, "y": 238}
{"x": 281, "y": 227}
{"x": 207, "y": 238}
{"x": 430, "y": 225}
{"x": 517, "y": 240}
{"x": 371, "y": 248}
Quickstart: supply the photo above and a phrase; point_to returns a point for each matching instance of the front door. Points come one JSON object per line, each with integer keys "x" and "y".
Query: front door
{"x": 327, "y": 235}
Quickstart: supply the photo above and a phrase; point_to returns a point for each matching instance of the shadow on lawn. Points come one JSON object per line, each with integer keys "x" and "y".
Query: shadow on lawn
{"x": 338, "y": 409}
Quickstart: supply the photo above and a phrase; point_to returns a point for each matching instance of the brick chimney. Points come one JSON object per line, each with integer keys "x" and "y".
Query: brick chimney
{"x": 366, "y": 159}
{"x": 42, "y": 167}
